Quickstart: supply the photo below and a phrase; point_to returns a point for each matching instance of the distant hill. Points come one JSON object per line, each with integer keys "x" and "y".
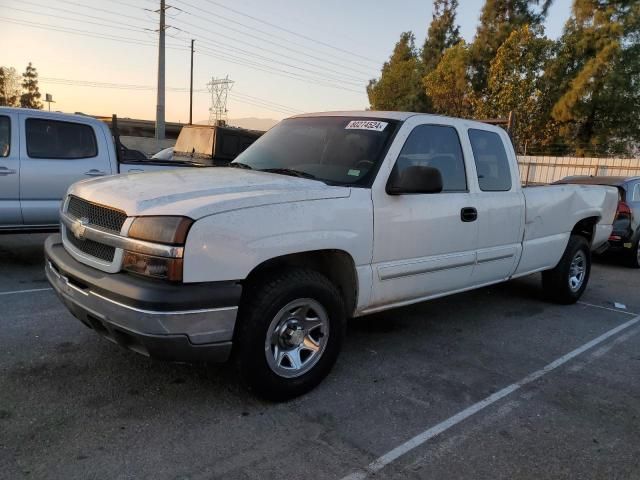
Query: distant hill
{"x": 250, "y": 123}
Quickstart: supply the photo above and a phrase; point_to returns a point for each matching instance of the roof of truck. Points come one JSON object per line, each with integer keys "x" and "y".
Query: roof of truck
{"x": 52, "y": 115}
{"x": 387, "y": 115}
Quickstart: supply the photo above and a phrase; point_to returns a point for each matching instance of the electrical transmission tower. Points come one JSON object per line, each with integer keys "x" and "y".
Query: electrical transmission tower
{"x": 219, "y": 88}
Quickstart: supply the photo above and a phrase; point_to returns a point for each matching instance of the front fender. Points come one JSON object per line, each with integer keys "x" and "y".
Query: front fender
{"x": 230, "y": 245}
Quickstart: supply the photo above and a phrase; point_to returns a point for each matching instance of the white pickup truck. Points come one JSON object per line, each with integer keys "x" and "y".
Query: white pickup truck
{"x": 327, "y": 216}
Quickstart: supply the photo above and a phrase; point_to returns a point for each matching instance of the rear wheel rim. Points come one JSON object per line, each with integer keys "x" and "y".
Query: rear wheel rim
{"x": 297, "y": 338}
{"x": 577, "y": 271}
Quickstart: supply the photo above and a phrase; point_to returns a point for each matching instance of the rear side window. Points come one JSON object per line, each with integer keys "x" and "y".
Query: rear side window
{"x": 492, "y": 163}
{"x": 636, "y": 193}
{"x": 439, "y": 147}
{"x": 5, "y": 136}
{"x": 60, "y": 140}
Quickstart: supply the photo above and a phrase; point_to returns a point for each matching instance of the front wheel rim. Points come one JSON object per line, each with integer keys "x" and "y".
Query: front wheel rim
{"x": 577, "y": 271}
{"x": 297, "y": 338}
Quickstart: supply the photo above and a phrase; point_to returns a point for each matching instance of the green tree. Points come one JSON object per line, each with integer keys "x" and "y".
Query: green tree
{"x": 399, "y": 86}
{"x": 515, "y": 84}
{"x": 443, "y": 33}
{"x": 596, "y": 75}
{"x": 9, "y": 87}
{"x": 31, "y": 96}
{"x": 498, "y": 19}
{"x": 449, "y": 85}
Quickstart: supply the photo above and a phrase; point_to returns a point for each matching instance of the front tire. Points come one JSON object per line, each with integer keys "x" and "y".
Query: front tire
{"x": 291, "y": 329}
{"x": 567, "y": 282}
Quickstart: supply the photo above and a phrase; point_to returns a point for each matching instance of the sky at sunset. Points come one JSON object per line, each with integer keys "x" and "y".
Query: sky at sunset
{"x": 324, "y": 51}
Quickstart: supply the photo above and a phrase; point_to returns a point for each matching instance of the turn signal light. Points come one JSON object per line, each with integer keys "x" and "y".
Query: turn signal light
{"x": 154, "y": 267}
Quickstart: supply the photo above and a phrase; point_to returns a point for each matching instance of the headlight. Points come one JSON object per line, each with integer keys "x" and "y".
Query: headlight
{"x": 169, "y": 230}
{"x": 155, "y": 267}
{"x": 165, "y": 230}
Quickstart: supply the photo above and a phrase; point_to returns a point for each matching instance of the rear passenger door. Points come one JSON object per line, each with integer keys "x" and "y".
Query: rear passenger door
{"x": 500, "y": 206}
{"x": 9, "y": 172}
{"x": 57, "y": 154}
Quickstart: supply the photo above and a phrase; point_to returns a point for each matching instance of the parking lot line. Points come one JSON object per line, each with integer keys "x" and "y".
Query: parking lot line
{"x": 430, "y": 433}
{"x": 617, "y": 310}
{"x": 32, "y": 290}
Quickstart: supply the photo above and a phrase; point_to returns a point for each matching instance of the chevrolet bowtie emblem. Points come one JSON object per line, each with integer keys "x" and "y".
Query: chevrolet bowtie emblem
{"x": 79, "y": 227}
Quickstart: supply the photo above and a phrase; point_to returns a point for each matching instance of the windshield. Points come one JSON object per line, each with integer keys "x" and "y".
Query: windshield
{"x": 337, "y": 150}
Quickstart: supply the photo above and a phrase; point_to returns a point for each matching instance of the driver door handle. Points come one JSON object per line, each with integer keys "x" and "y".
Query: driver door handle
{"x": 95, "y": 173}
{"x": 4, "y": 171}
{"x": 468, "y": 214}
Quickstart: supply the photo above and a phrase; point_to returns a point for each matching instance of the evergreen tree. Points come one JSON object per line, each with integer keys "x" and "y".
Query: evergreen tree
{"x": 399, "y": 86}
{"x": 9, "y": 87}
{"x": 498, "y": 19}
{"x": 596, "y": 75}
{"x": 31, "y": 96}
{"x": 443, "y": 33}
{"x": 449, "y": 85}
{"x": 515, "y": 84}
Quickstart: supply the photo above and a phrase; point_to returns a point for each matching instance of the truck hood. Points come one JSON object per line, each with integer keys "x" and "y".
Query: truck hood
{"x": 200, "y": 192}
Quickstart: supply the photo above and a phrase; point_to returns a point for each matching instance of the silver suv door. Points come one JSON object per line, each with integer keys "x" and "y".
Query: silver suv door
{"x": 10, "y": 215}
{"x": 58, "y": 153}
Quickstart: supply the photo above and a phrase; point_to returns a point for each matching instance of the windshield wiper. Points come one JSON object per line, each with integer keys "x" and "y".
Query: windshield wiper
{"x": 289, "y": 171}
{"x": 240, "y": 165}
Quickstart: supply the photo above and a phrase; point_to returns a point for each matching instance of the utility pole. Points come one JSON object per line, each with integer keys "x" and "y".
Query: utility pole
{"x": 191, "y": 88}
{"x": 160, "y": 126}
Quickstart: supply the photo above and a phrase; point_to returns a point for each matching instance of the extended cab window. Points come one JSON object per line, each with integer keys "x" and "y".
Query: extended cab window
{"x": 5, "y": 136}
{"x": 492, "y": 163}
{"x": 439, "y": 147}
{"x": 60, "y": 140}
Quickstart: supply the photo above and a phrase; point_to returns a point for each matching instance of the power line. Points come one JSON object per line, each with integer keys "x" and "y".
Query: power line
{"x": 242, "y": 97}
{"x": 120, "y": 26}
{"x": 92, "y": 8}
{"x": 291, "y": 32}
{"x": 209, "y": 52}
{"x": 268, "y": 59}
{"x": 252, "y": 35}
{"x": 85, "y": 33}
{"x": 137, "y": 28}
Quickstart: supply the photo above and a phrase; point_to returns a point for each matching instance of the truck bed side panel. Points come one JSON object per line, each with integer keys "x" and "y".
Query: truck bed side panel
{"x": 552, "y": 212}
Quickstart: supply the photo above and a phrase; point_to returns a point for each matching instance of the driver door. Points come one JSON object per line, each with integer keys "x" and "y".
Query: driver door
{"x": 423, "y": 246}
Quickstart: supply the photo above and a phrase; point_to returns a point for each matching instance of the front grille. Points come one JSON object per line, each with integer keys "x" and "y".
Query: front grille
{"x": 99, "y": 216}
{"x": 95, "y": 249}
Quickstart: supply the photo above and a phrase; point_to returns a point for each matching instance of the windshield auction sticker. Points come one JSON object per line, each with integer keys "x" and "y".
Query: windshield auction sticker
{"x": 366, "y": 125}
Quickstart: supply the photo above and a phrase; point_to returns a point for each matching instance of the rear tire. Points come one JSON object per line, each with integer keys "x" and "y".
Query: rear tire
{"x": 567, "y": 282}
{"x": 290, "y": 332}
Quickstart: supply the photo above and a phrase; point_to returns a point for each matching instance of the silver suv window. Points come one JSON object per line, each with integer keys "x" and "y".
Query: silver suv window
{"x": 5, "y": 136}
{"x": 60, "y": 140}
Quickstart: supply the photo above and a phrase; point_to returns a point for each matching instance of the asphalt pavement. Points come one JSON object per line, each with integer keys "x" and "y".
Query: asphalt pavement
{"x": 491, "y": 384}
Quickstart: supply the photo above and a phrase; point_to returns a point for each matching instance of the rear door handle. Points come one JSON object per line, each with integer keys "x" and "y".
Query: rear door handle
{"x": 4, "y": 171}
{"x": 95, "y": 173}
{"x": 468, "y": 214}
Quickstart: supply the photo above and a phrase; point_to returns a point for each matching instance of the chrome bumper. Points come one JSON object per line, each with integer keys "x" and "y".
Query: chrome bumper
{"x": 202, "y": 335}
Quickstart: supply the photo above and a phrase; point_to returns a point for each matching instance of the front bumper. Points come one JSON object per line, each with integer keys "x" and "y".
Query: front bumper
{"x": 176, "y": 322}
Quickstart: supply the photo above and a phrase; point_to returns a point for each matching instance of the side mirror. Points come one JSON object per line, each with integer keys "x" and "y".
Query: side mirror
{"x": 414, "y": 179}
